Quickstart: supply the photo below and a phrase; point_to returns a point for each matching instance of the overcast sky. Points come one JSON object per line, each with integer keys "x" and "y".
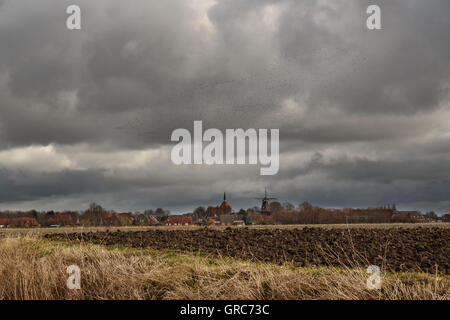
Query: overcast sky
{"x": 364, "y": 116}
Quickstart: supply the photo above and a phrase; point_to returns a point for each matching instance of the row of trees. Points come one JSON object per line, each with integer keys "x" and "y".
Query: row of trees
{"x": 97, "y": 215}
{"x": 285, "y": 213}
{"x": 314, "y": 215}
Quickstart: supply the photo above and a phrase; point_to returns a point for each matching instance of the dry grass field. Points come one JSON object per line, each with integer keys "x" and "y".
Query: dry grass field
{"x": 35, "y": 268}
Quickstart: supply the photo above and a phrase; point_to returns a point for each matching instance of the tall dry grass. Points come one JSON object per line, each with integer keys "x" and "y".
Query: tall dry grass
{"x": 33, "y": 268}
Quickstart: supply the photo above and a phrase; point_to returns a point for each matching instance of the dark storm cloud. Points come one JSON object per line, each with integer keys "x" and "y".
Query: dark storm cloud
{"x": 371, "y": 102}
{"x": 25, "y": 186}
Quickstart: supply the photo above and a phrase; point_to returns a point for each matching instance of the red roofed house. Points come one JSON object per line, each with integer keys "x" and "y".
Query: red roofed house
{"x": 178, "y": 221}
{"x": 153, "y": 220}
{"x": 129, "y": 217}
{"x": 118, "y": 219}
{"x": 60, "y": 218}
{"x": 18, "y": 222}
{"x": 407, "y": 216}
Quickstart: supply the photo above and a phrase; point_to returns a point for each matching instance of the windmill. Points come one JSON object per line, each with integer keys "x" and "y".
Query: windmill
{"x": 265, "y": 202}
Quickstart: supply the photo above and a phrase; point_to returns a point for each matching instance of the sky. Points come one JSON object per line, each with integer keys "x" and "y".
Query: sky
{"x": 87, "y": 115}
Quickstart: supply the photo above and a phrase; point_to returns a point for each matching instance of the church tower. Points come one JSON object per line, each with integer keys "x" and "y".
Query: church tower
{"x": 225, "y": 208}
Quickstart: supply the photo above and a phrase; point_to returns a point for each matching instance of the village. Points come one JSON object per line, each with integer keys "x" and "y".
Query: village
{"x": 269, "y": 213}
{"x": 97, "y": 216}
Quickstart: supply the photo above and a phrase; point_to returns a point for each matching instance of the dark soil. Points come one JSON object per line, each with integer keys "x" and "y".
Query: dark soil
{"x": 395, "y": 249}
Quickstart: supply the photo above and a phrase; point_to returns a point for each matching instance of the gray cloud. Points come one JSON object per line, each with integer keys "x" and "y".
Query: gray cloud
{"x": 374, "y": 104}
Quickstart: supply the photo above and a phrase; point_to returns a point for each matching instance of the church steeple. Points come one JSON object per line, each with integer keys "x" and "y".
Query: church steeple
{"x": 224, "y": 208}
